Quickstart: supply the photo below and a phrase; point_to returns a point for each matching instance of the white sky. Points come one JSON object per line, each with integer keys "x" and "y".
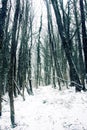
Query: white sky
{"x": 40, "y": 8}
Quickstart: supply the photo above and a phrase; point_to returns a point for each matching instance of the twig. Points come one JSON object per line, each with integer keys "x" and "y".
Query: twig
{"x": 3, "y": 99}
{"x": 68, "y": 81}
{"x": 18, "y": 88}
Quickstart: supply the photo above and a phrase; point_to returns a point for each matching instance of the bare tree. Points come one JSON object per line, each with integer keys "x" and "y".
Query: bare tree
{"x": 66, "y": 45}
{"x": 78, "y": 36}
{"x": 84, "y": 34}
{"x": 52, "y": 45}
{"x": 3, "y": 11}
{"x": 38, "y": 54}
{"x": 12, "y": 69}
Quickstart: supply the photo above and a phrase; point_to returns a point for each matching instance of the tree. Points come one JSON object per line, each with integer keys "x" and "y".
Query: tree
{"x": 52, "y": 45}
{"x": 3, "y": 12}
{"x": 24, "y": 59}
{"x": 47, "y": 61}
{"x": 12, "y": 68}
{"x": 2, "y": 21}
{"x": 66, "y": 45}
{"x": 84, "y": 34}
{"x": 38, "y": 54}
{"x": 23, "y": 49}
{"x": 30, "y": 50}
{"x": 78, "y": 36}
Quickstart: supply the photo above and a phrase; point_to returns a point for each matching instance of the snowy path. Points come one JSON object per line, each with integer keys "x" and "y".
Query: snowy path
{"x": 48, "y": 109}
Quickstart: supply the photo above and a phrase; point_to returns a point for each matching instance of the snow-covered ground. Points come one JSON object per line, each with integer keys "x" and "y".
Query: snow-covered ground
{"x": 48, "y": 109}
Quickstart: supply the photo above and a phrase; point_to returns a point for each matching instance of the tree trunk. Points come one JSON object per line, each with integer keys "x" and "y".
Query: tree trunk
{"x": 52, "y": 44}
{"x": 3, "y": 11}
{"x": 2, "y": 21}
{"x": 12, "y": 112}
{"x": 84, "y": 35}
{"x": 1, "y": 88}
{"x": 38, "y": 55}
{"x": 14, "y": 39}
{"x": 66, "y": 44}
{"x": 12, "y": 69}
{"x": 29, "y": 73}
{"x": 53, "y": 75}
{"x": 0, "y": 104}
{"x": 10, "y": 91}
{"x": 81, "y": 62}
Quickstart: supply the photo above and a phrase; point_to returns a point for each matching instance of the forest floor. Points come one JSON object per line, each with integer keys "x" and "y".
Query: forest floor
{"x": 47, "y": 109}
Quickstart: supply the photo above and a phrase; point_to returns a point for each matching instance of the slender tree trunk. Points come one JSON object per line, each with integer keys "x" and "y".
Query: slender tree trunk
{"x": 10, "y": 83}
{"x": 52, "y": 45}
{"x": 53, "y": 75}
{"x": 85, "y": 6}
{"x": 0, "y": 105}
{"x": 14, "y": 39}
{"x": 29, "y": 51}
{"x": 12, "y": 112}
{"x": 2, "y": 21}
{"x": 38, "y": 55}
{"x": 1, "y": 88}
{"x": 66, "y": 44}
{"x": 84, "y": 35}
{"x": 29, "y": 73}
{"x": 5, "y": 51}
{"x": 13, "y": 63}
{"x": 3, "y": 11}
{"x": 81, "y": 62}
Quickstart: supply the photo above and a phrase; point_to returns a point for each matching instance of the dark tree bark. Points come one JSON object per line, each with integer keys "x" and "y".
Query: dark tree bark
{"x": 38, "y": 55}
{"x": 0, "y": 104}
{"x": 24, "y": 62}
{"x": 52, "y": 44}
{"x": 14, "y": 40}
{"x": 29, "y": 52}
{"x": 84, "y": 34}
{"x": 2, "y": 20}
{"x": 29, "y": 73}
{"x": 12, "y": 69}
{"x": 1, "y": 88}
{"x": 65, "y": 43}
{"x": 85, "y": 6}
{"x": 81, "y": 62}
{"x": 3, "y": 11}
{"x": 19, "y": 79}
{"x": 5, "y": 50}
{"x": 47, "y": 62}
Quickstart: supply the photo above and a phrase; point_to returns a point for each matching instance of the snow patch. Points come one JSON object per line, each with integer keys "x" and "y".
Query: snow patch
{"x": 48, "y": 109}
